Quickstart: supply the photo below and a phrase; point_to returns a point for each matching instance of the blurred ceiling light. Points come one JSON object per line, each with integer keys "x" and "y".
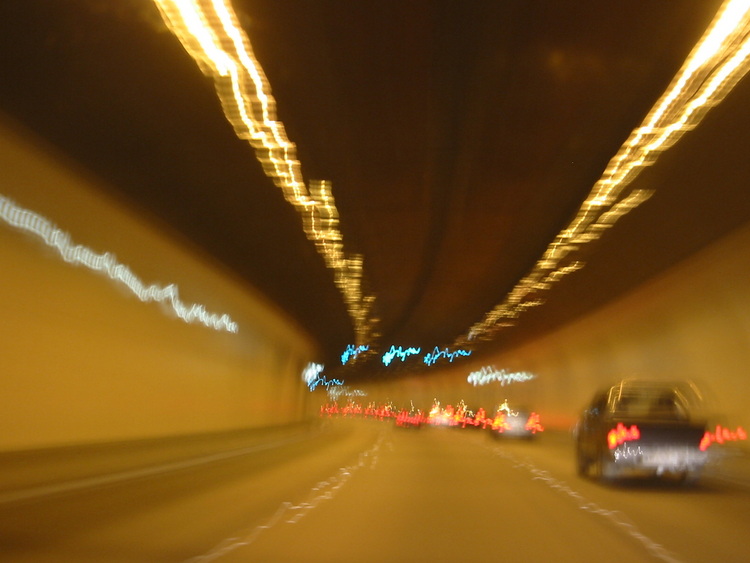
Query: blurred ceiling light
{"x": 716, "y": 64}
{"x": 209, "y": 31}
{"x": 107, "y": 263}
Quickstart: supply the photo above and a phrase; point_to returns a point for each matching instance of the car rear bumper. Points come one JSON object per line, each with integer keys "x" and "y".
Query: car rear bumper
{"x": 670, "y": 458}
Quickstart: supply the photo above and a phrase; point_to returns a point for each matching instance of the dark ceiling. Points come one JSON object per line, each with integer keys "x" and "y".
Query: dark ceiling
{"x": 459, "y": 136}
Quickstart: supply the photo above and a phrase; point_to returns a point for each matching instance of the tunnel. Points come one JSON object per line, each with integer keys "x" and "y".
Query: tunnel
{"x": 177, "y": 388}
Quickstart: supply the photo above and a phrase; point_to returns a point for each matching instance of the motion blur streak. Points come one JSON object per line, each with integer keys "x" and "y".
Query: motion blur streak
{"x": 325, "y": 382}
{"x": 432, "y": 357}
{"x": 722, "y": 435}
{"x": 289, "y": 513}
{"x": 311, "y": 372}
{"x": 400, "y": 353}
{"x": 338, "y": 391}
{"x": 53, "y": 237}
{"x": 352, "y": 352}
{"x": 715, "y": 66}
{"x": 210, "y": 33}
{"x": 488, "y": 374}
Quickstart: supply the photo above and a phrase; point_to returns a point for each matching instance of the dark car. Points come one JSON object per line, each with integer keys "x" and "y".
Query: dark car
{"x": 643, "y": 428}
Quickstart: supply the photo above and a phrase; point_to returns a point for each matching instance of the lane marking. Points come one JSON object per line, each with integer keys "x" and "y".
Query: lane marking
{"x": 290, "y": 513}
{"x": 617, "y": 517}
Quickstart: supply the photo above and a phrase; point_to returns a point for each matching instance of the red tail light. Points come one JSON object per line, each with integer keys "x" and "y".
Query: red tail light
{"x": 500, "y": 423}
{"x": 722, "y": 435}
{"x": 533, "y": 424}
{"x": 621, "y": 434}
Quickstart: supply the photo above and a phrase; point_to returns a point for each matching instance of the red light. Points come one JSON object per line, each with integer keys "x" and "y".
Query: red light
{"x": 620, "y": 435}
{"x": 533, "y": 424}
{"x": 721, "y": 435}
{"x": 499, "y": 423}
{"x": 405, "y": 418}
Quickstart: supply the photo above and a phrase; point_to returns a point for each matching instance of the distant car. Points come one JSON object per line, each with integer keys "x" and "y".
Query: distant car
{"x": 471, "y": 419}
{"x": 522, "y": 423}
{"x": 643, "y": 428}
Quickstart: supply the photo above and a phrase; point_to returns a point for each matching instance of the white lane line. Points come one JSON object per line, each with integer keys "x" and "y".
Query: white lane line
{"x": 35, "y": 493}
{"x": 615, "y": 516}
{"x": 290, "y": 513}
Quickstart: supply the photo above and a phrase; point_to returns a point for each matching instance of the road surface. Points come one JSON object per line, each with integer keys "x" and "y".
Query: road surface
{"x": 366, "y": 491}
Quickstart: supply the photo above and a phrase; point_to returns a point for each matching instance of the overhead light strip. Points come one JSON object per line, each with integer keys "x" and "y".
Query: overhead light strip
{"x": 209, "y": 31}
{"x": 716, "y": 64}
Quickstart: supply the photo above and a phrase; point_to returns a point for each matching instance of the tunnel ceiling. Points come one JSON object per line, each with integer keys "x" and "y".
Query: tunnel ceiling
{"x": 459, "y": 139}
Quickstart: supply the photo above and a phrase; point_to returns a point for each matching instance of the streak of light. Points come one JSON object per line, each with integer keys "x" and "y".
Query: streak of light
{"x": 210, "y": 32}
{"x": 338, "y": 391}
{"x": 324, "y": 381}
{"x": 107, "y": 264}
{"x": 432, "y": 357}
{"x": 721, "y": 436}
{"x": 400, "y": 353}
{"x": 488, "y": 374}
{"x": 352, "y": 352}
{"x": 716, "y": 64}
{"x": 311, "y": 372}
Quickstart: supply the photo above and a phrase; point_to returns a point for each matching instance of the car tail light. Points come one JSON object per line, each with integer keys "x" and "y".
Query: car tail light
{"x": 533, "y": 425}
{"x": 620, "y": 434}
{"x": 722, "y": 435}
{"x": 500, "y": 423}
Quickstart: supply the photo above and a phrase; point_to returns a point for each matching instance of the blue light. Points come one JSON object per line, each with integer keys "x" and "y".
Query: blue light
{"x": 400, "y": 353}
{"x": 352, "y": 351}
{"x": 432, "y": 357}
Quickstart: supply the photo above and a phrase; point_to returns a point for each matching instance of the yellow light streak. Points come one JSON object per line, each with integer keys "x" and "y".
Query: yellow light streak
{"x": 210, "y": 32}
{"x": 716, "y": 64}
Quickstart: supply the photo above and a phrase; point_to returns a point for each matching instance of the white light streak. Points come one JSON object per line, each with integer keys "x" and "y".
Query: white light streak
{"x": 338, "y": 391}
{"x": 107, "y": 264}
{"x": 489, "y": 374}
{"x": 311, "y": 372}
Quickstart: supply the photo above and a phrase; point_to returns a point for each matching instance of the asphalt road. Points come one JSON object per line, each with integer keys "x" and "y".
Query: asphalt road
{"x": 365, "y": 491}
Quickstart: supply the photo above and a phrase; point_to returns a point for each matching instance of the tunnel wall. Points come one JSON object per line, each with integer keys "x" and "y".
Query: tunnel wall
{"x": 85, "y": 361}
{"x": 693, "y": 322}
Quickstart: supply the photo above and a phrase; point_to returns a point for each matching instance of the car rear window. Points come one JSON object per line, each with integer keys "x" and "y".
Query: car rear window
{"x": 650, "y": 403}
